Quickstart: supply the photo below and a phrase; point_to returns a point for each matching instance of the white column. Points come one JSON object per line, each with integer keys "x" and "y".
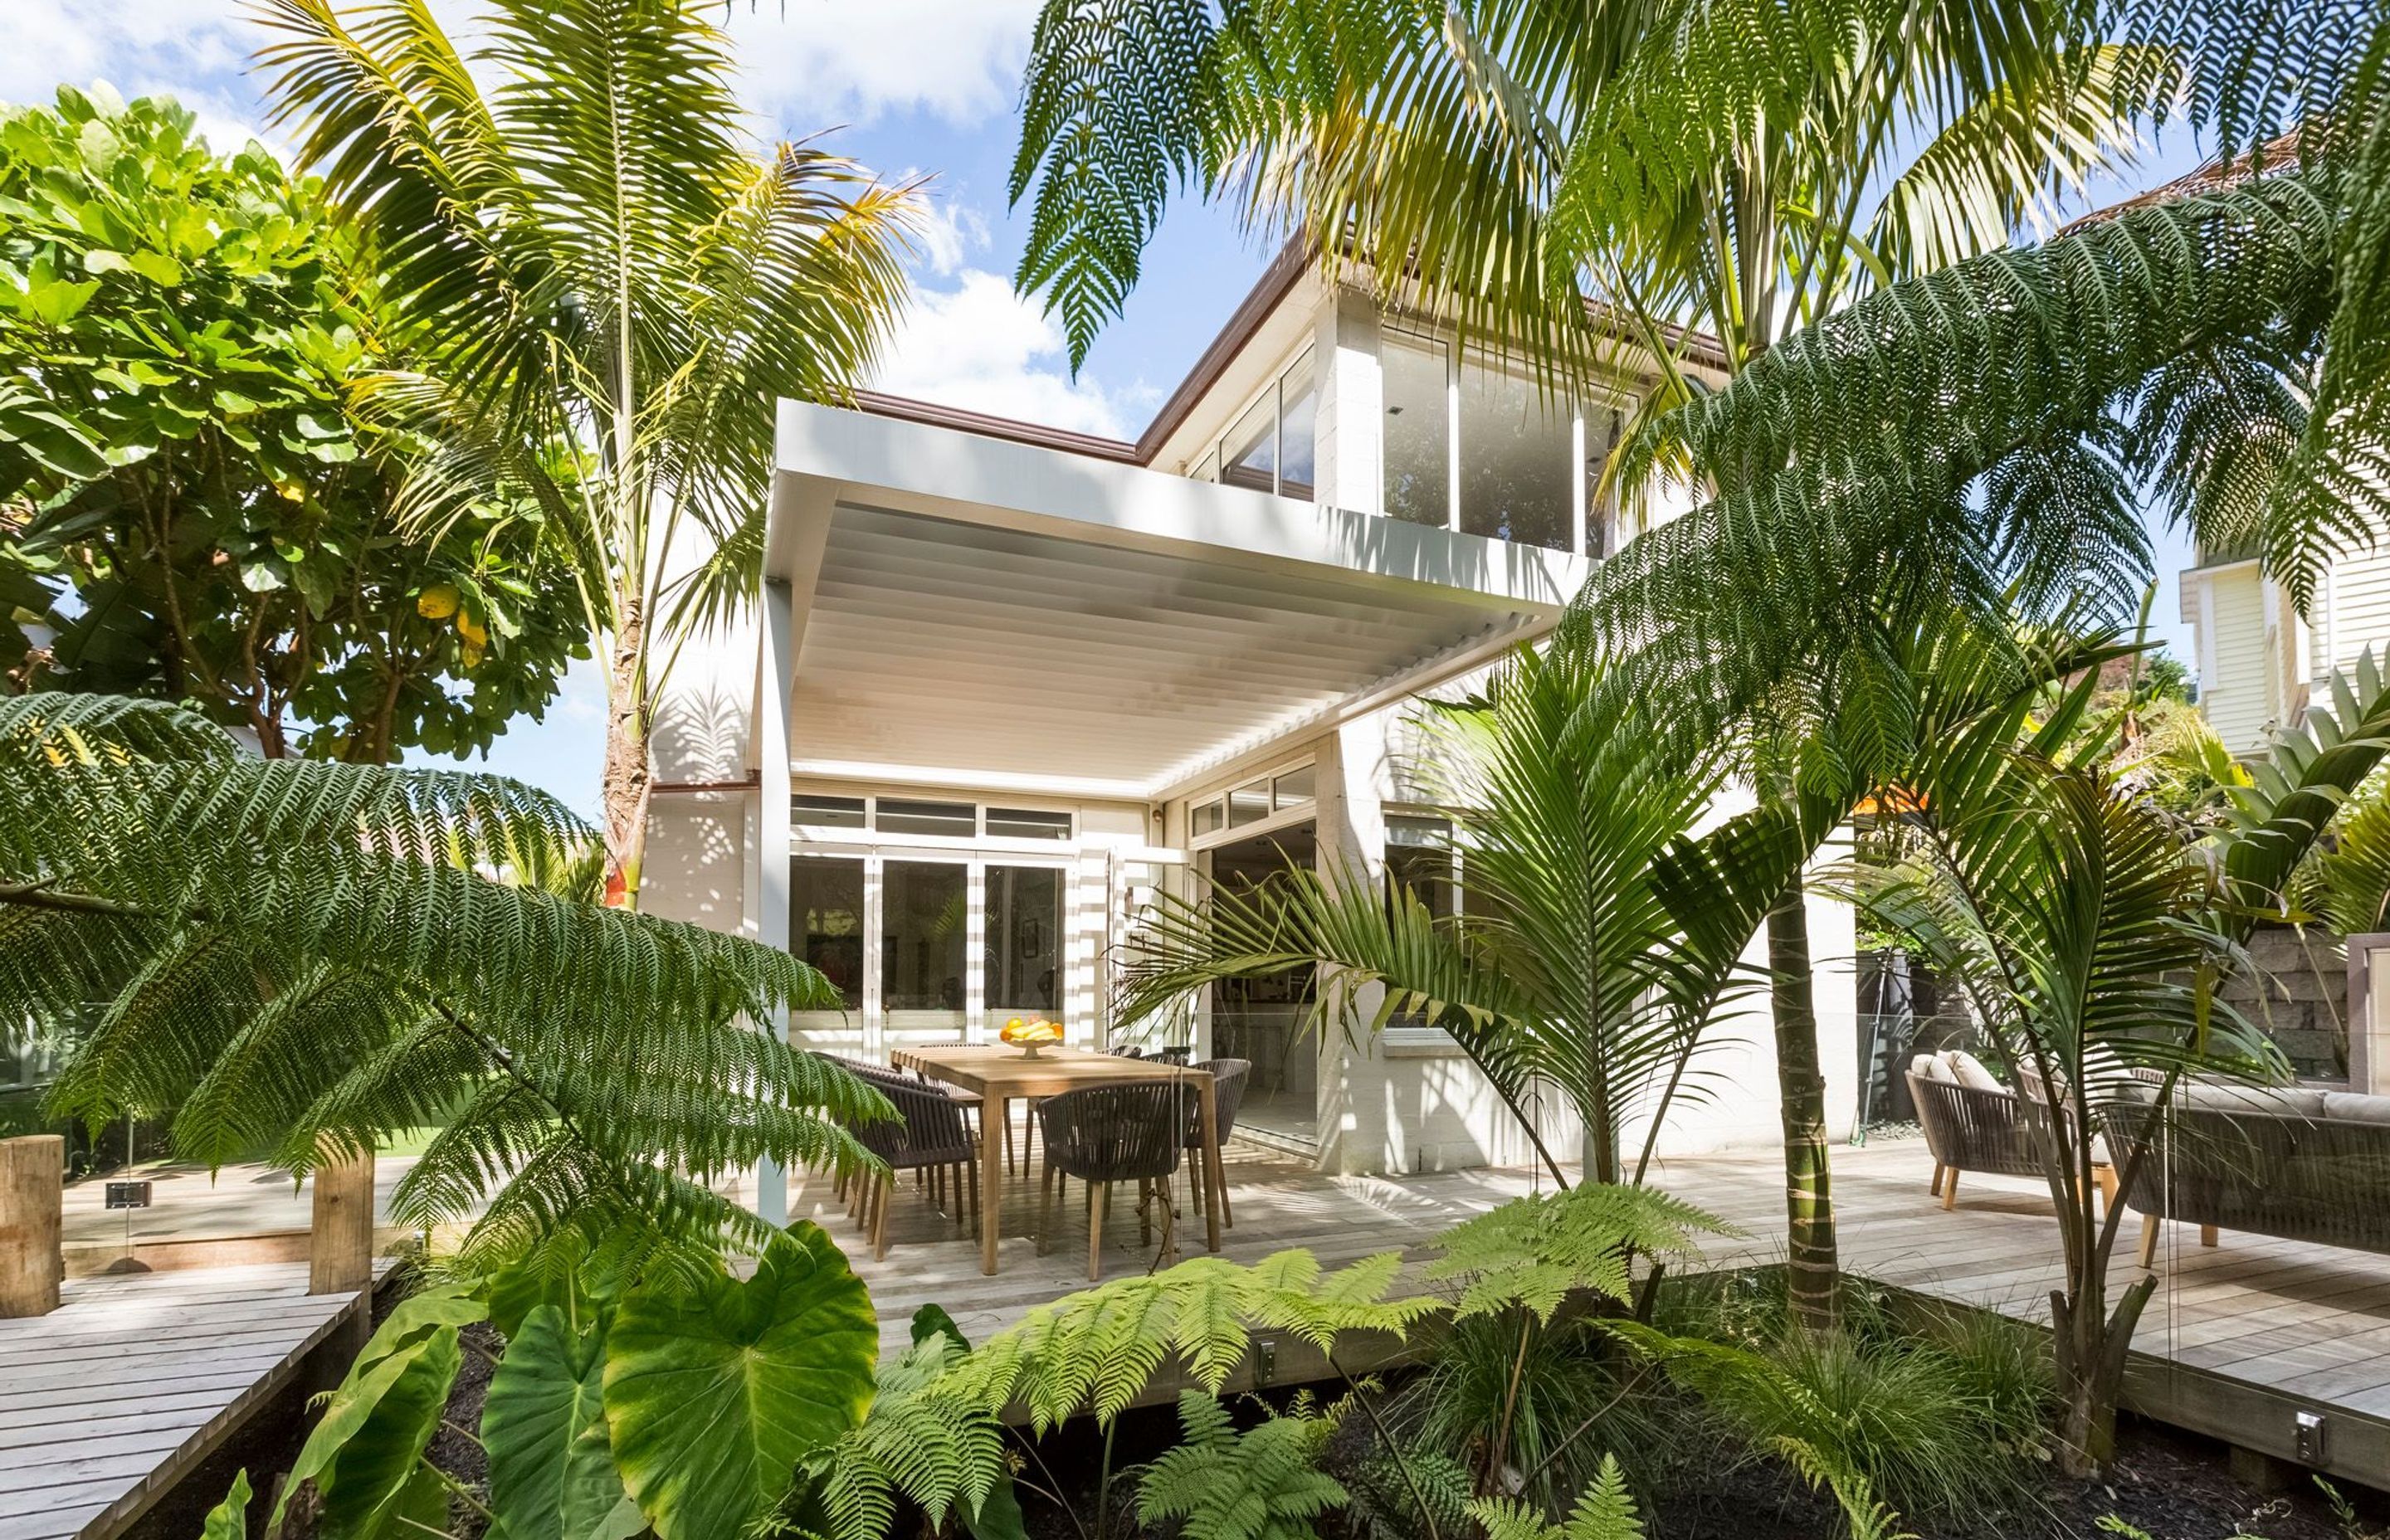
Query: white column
{"x": 775, "y": 667}
{"x": 1359, "y": 1130}
{"x": 2369, "y": 1013}
{"x": 1349, "y": 473}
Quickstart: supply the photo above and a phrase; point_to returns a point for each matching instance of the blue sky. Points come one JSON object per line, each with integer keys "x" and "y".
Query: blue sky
{"x": 911, "y": 87}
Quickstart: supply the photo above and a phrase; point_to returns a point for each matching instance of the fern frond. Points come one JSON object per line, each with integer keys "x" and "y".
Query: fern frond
{"x": 1535, "y": 1251}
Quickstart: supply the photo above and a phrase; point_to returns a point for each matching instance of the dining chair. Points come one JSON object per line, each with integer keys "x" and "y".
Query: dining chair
{"x": 1229, "y": 1078}
{"x": 1107, "y": 1133}
{"x": 930, "y": 1133}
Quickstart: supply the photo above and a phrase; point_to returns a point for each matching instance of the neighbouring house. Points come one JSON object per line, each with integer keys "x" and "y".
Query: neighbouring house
{"x": 1008, "y": 683}
{"x": 2259, "y": 660}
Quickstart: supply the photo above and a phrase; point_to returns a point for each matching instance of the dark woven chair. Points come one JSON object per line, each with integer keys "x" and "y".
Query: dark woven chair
{"x": 1229, "y": 1078}
{"x": 1107, "y": 1133}
{"x": 1972, "y": 1129}
{"x": 1176, "y": 1053}
{"x": 930, "y": 1134}
{"x": 2321, "y": 1178}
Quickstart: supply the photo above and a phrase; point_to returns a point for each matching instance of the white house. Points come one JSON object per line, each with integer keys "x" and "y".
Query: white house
{"x": 2257, "y": 658}
{"x": 1008, "y": 681}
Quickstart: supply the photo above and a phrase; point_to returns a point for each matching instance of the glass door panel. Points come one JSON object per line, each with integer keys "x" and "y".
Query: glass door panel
{"x": 924, "y": 934}
{"x": 826, "y": 931}
{"x": 1023, "y": 970}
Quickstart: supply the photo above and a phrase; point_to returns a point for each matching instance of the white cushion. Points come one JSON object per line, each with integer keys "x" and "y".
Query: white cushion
{"x": 1922, "y": 1066}
{"x": 1937, "y": 1068}
{"x": 1969, "y": 1071}
{"x": 2356, "y": 1107}
{"x": 2271, "y": 1101}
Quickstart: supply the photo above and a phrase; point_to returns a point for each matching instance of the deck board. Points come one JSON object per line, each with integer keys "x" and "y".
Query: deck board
{"x": 109, "y": 1400}
{"x": 2283, "y": 1317}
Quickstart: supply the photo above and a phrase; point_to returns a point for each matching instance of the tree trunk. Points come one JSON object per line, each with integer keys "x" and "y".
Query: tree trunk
{"x": 2090, "y": 1353}
{"x": 1812, "y": 1270}
{"x": 624, "y": 787}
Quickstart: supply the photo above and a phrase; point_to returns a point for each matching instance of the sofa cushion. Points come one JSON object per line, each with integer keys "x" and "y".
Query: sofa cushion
{"x": 2355, "y": 1106}
{"x": 2282, "y": 1102}
{"x": 1922, "y": 1066}
{"x": 1969, "y": 1070}
{"x": 1934, "y": 1067}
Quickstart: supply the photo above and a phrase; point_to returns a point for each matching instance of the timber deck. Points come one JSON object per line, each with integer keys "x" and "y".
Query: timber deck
{"x": 136, "y": 1377}
{"x": 2236, "y": 1341}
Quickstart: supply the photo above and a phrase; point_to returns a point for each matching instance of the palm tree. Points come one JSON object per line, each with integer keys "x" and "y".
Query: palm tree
{"x": 2088, "y": 929}
{"x": 297, "y": 958}
{"x": 1743, "y": 168}
{"x": 607, "y": 265}
{"x": 1565, "y": 968}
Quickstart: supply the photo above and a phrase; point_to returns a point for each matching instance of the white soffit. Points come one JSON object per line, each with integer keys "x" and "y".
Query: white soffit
{"x": 969, "y": 611}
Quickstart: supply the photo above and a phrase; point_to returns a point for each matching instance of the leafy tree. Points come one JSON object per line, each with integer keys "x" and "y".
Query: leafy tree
{"x": 599, "y": 257}
{"x": 195, "y": 510}
{"x": 299, "y": 956}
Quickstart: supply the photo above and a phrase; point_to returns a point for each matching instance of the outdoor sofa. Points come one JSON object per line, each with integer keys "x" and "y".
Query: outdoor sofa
{"x": 2297, "y": 1163}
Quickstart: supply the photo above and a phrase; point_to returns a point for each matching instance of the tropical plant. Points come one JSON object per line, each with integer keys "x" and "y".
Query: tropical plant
{"x": 602, "y": 259}
{"x": 298, "y": 957}
{"x": 2089, "y": 932}
{"x": 657, "y": 1407}
{"x": 1745, "y": 168}
{"x": 1605, "y": 1511}
{"x": 195, "y": 509}
{"x": 1566, "y": 966}
{"x": 1263, "y": 1484}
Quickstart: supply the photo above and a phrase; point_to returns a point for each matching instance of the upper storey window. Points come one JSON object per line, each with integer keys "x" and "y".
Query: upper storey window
{"x": 1479, "y": 446}
{"x": 1269, "y": 447}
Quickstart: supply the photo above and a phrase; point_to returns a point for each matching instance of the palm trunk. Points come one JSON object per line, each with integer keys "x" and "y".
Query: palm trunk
{"x": 1812, "y": 1270}
{"x": 623, "y": 789}
{"x": 2089, "y": 1344}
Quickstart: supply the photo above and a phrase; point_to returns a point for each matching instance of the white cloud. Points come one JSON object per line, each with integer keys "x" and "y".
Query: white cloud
{"x": 946, "y": 232}
{"x": 807, "y": 63}
{"x": 196, "y": 50}
{"x": 980, "y": 346}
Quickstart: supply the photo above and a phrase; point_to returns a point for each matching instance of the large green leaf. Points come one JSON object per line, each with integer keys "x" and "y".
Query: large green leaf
{"x": 366, "y": 1457}
{"x": 229, "y": 1519}
{"x": 551, "y": 1471}
{"x": 713, "y": 1396}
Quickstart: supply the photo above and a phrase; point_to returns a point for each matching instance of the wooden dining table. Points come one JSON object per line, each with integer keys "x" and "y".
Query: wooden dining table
{"x": 1002, "y": 1073}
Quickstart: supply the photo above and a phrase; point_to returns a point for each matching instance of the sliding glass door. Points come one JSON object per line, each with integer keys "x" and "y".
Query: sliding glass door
{"x": 924, "y": 948}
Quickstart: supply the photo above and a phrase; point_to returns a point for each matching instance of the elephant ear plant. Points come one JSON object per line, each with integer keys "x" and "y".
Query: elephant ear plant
{"x": 681, "y": 1410}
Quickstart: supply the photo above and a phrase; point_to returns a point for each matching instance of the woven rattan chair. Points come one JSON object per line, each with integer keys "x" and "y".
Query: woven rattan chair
{"x": 930, "y": 1134}
{"x": 1108, "y": 1134}
{"x": 1229, "y": 1078}
{"x": 1970, "y": 1129}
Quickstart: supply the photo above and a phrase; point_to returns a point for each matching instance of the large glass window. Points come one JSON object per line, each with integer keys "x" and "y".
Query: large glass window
{"x": 826, "y": 812}
{"x": 1249, "y": 455}
{"x": 825, "y": 921}
{"x": 1298, "y": 422}
{"x": 924, "y": 909}
{"x": 1024, "y": 942}
{"x": 1418, "y": 862}
{"x": 1022, "y": 823}
{"x": 1419, "y": 435}
{"x": 1518, "y": 459}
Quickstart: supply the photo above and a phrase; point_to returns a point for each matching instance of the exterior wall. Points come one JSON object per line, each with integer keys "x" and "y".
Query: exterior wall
{"x": 2351, "y": 614}
{"x": 2296, "y": 992}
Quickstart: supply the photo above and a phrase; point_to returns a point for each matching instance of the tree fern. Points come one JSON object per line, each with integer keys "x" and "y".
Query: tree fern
{"x": 1098, "y": 1350}
{"x": 1604, "y": 1512}
{"x": 299, "y": 955}
{"x": 1262, "y": 1484}
{"x": 939, "y": 1452}
{"x": 1535, "y": 1252}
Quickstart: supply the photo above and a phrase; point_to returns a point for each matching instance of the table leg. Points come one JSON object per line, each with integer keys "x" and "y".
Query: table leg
{"x": 1207, "y": 1112}
{"x": 994, "y": 1117}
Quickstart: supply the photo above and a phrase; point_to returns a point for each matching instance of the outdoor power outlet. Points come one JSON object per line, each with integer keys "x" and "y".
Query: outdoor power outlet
{"x": 2308, "y": 1430}
{"x": 1265, "y": 1352}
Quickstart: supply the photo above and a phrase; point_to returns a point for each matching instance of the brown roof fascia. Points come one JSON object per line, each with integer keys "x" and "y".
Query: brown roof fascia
{"x": 2217, "y": 175}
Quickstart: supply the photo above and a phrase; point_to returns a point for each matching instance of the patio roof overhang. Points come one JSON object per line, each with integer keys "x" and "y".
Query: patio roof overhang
{"x": 967, "y": 610}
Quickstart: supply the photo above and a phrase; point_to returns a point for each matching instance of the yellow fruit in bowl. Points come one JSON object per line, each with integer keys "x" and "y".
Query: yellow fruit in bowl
{"x": 1030, "y": 1034}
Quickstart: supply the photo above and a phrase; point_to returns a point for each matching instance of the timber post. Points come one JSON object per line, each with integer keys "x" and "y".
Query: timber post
{"x": 340, "y": 1248}
{"x": 32, "y": 1215}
